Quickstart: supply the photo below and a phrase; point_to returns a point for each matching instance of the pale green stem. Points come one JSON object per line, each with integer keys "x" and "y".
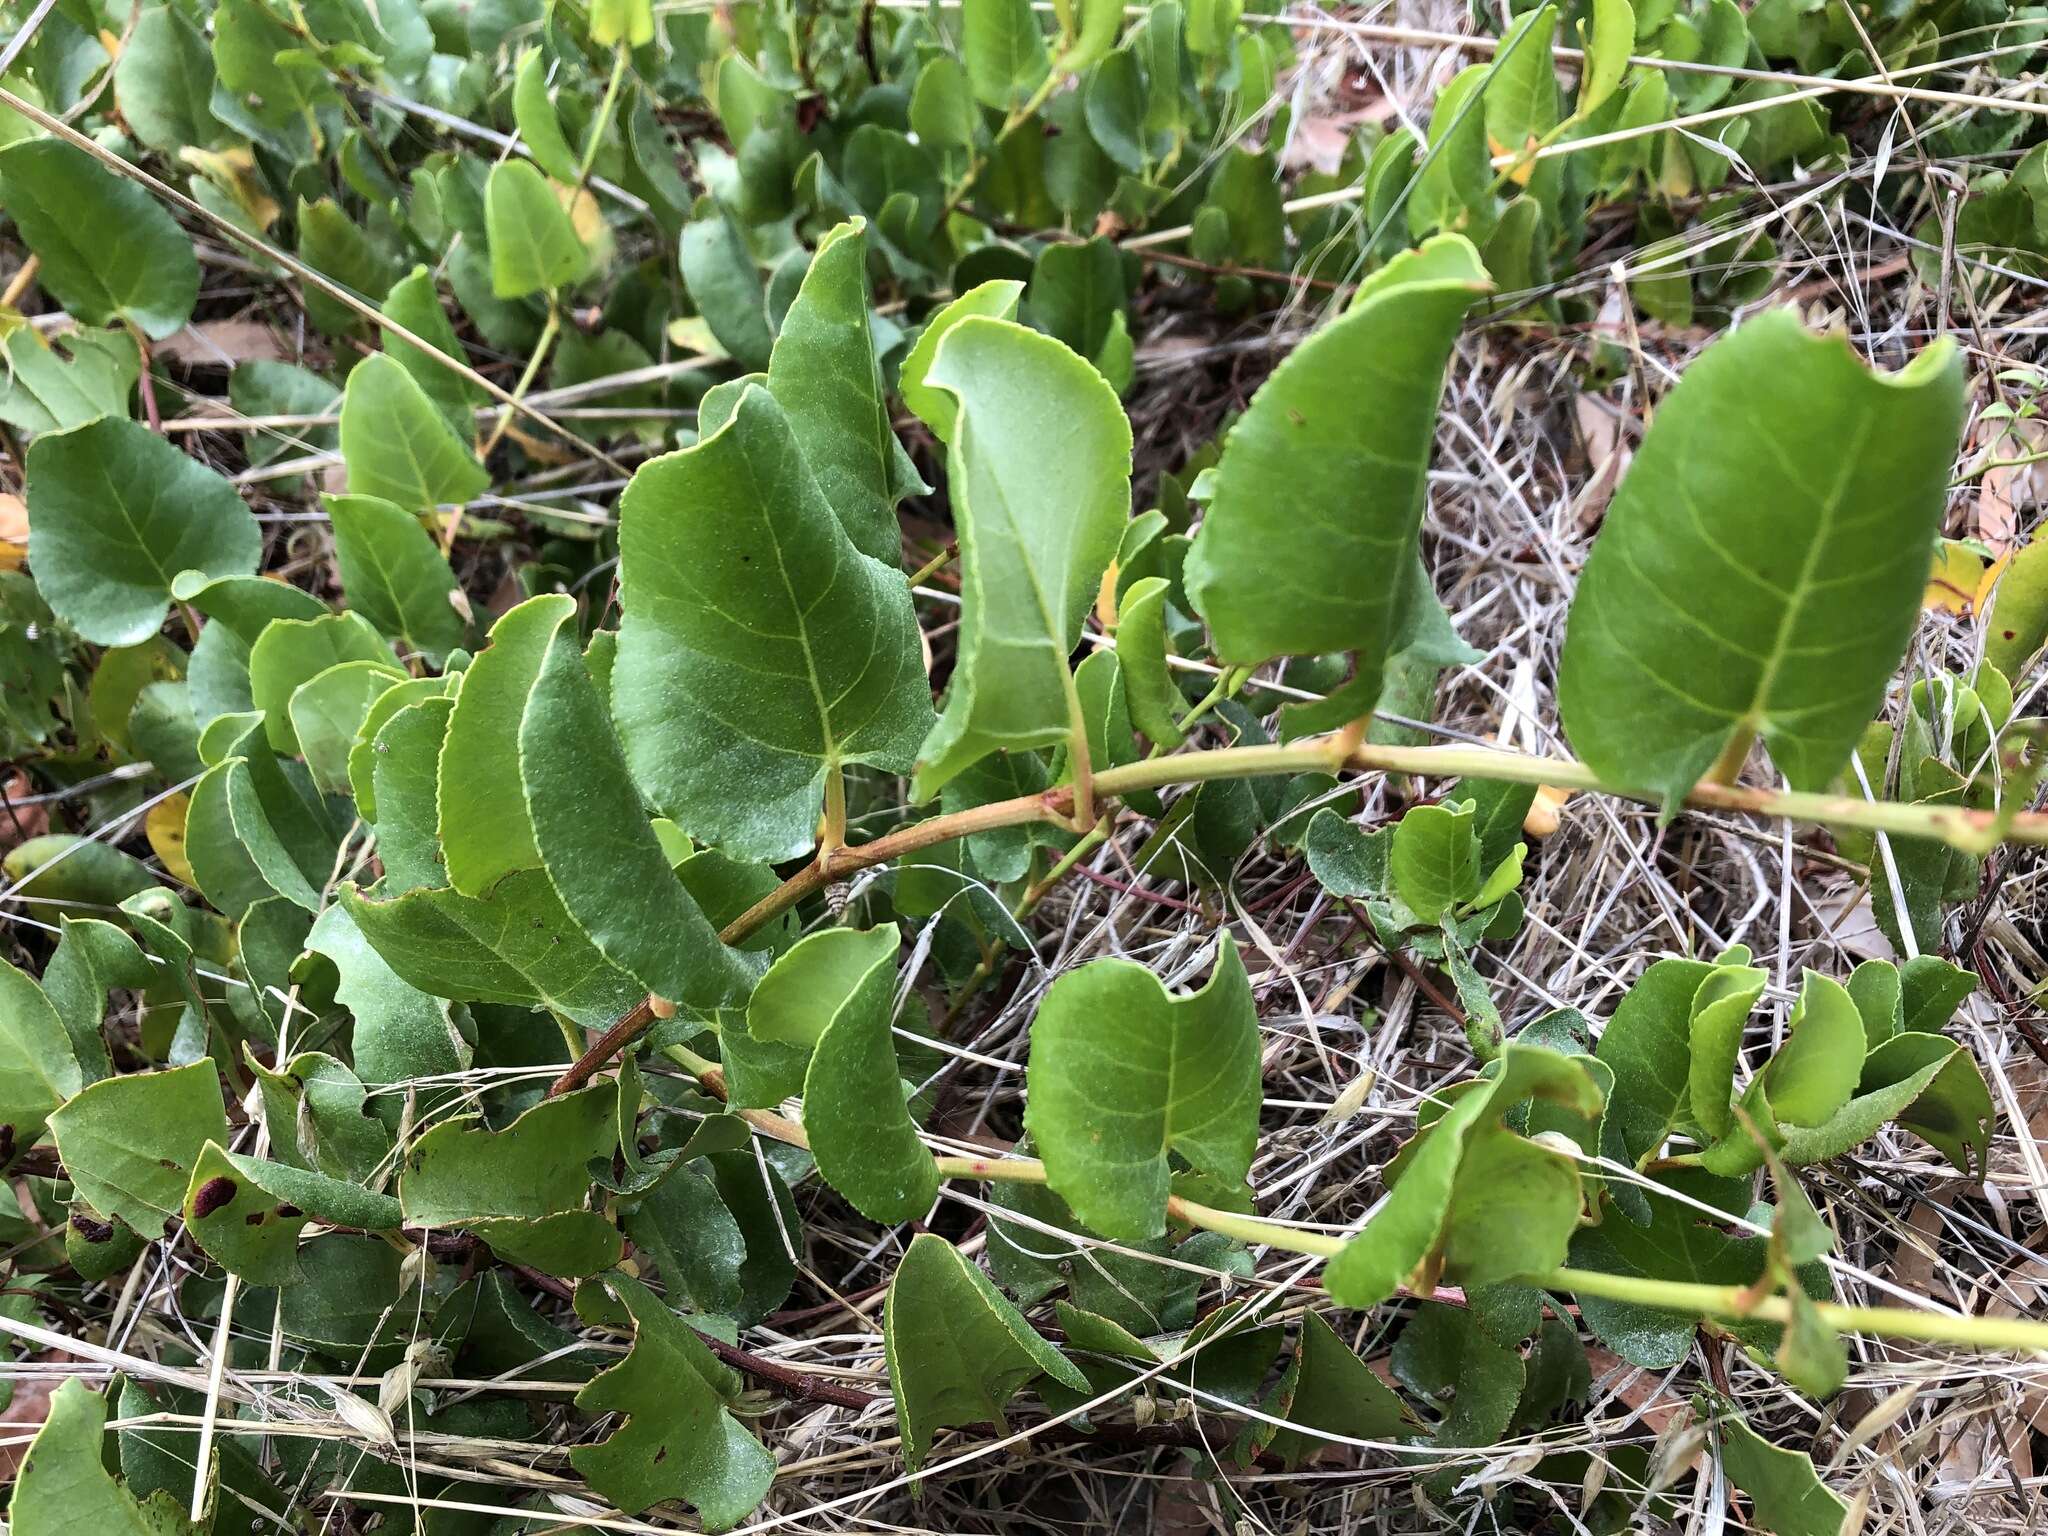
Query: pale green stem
{"x": 598, "y": 124}
{"x": 1724, "y": 1301}
{"x": 526, "y": 378}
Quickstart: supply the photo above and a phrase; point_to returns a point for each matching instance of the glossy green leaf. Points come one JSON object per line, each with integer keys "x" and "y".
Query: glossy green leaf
{"x": 1122, "y": 1072}
{"x": 521, "y": 1189}
{"x": 415, "y": 303}
{"x": 1035, "y": 532}
{"x": 393, "y": 575}
{"x": 1313, "y": 503}
{"x": 164, "y": 82}
{"x": 957, "y": 1351}
{"x": 534, "y": 248}
{"x": 115, "y": 513}
{"x": 1745, "y": 582}
{"x": 328, "y": 709}
{"x": 1719, "y": 1013}
{"x": 397, "y": 445}
{"x": 1434, "y": 860}
{"x": 677, "y": 1439}
{"x": 1156, "y": 704}
{"x": 247, "y": 1213}
{"x": 109, "y": 252}
{"x": 130, "y": 1143}
{"x": 1453, "y": 186}
{"x": 760, "y": 650}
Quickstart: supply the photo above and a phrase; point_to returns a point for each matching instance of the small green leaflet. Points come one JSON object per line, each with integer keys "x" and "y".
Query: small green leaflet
{"x": 1005, "y": 51}
{"x": 115, "y": 514}
{"x": 760, "y": 651}
{"x": 1122, "y": 1072}
{"x": 957, "y": 1350}
{"x": 1036, "y": 532}
{"x": 130, "y": 1143}
{"x": 538, "y": 123}
{"x": 677, "y": 1439}
{"x": 1314, "y": 502}
{"x": 1329, "y": 1389}
{"x": 1746, "y": 582}
{"x": 1786, "y": 1495}
{"x": 521, "y": 1189}
{"x": 996, "y": 299}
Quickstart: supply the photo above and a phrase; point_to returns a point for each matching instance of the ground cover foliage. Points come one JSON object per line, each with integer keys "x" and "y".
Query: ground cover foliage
{"x": 996, "y": 767}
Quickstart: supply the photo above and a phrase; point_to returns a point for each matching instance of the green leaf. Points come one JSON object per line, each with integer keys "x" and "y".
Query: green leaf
{"x": 1446, "y": 1358}
{"x": 115, "y": 512}
{"x": 589, "y": 829}
{"x": 725, "y": 286}
{"x": 1453, "y": 188}
{"x": 836, "y": 992}
{"x": 314, "y": 1107}
{"x": 1005, "y": 51}
{"x": 1156, "y": 704}
{"x": 247, "y": 1213}
{"x": 1432, "y": 1193}
{"x": 517, "y": 946}
{"x": 109, "y": 252}
{"x": 760, "y": 651}
{"x": 622, "y": 21}
{"x": 397, "y": 444}
{"x": 338, "y": 247}
{"x": 535, "y": 116}
{"x": 957, "y": 1351}
{"x": 677, "y": 1440}
{"x": 1313, "y": 503}
{"x": 48, "y": 390}
{"x": 1434, "y": 860}
{"x": 64, "y": 1488}
{"x": 935, "y": 406}
{"x": 1329, "y": 1389}
{"x": 401, "y": 1031}
{"x": 163, "y": 81}
{"x": 1608, "y": 46}
{"x": 1746, "y": 582}
{"x": 415, "y": 303}
{"x": 1720, "y": 1012}
{"x": 1786, "y": 1496}
{"x": 1036, "y": 533}
{"x": 534, "y": 248}
{"x": 825, "y": 376}
{"x": 1100, "y": 21}
{"x": 1816, "y": 1070}
{"x": 129, "y": 1143}
{"x": 1122, "y": 1072}
{"x": 393, "y": 575}
{"x": 39, "y": 1067}
{"x": 292, "y": 652}
{"x": 1647, "y": 1045}
{"x": 327, "y": 710}
{"x": 521, "y": 1189}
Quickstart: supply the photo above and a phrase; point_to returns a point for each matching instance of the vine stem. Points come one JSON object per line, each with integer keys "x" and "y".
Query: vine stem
{"x": 1971, "y": 831}
{"x": 1735, "y": 1303}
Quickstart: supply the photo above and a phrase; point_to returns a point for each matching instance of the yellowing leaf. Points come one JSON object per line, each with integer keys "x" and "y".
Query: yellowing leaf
{"x": 165, "y": 828}
{"x": 13, "y": 531}
{"x": 1955, "y": 580}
